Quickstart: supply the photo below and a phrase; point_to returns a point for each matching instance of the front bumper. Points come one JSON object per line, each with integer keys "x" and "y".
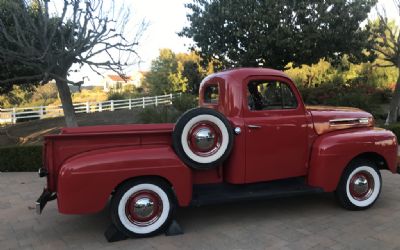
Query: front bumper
{"x": 43, "y": 199}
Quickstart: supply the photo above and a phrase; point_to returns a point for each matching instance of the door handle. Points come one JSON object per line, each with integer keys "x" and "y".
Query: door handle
{"x": 253, "y": 126}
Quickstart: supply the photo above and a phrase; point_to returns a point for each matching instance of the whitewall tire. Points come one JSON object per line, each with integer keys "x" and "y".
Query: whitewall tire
{"x": 360, "y": 185}
{"x": 142, "y": 208}
{"x": 202, "y": 138}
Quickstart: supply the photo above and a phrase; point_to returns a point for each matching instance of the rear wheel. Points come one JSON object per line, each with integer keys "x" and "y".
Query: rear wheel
{"x": 360, "y": 185}
{"x": 142, "y": 208}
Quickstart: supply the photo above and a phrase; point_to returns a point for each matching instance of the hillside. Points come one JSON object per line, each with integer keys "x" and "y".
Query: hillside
{"x": 32, "y": 132}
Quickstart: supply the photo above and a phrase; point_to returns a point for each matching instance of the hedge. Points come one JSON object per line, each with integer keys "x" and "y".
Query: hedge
{"x": 20, "y": 158}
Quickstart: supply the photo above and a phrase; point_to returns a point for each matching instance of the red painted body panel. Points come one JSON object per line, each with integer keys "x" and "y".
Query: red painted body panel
{"x": 86, "y": 164}
{"x": 282, "y": 133}
{"x": 85, "y": 181}
{"x": 234, "y": 166}
{"x": 75, "y": 141}
{"x": 332, "y": 152}
{"x": 323, "y": 114}
{"x": 109, "y": 129}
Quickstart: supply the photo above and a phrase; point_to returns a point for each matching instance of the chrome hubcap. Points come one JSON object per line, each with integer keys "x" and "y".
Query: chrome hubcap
{"x": 144, "y": 208}
{"x": 204, "y": 138}
{"x": 362, "y": 185}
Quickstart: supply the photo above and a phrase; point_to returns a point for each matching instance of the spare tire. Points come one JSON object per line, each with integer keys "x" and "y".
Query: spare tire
{"x": 202, "y": 138}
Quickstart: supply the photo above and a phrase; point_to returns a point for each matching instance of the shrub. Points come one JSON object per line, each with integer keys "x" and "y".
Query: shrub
{"x": 184, "y": 102}
{"x": 160, "y": 114}
{"x": 168, "y": 114}
{"x": 116, "y": 96}
{"x": 129, "y": 92}
{"x": 356, "y": 95}
{"x": 20, "y": 158}
{"x": 395, "y": 128}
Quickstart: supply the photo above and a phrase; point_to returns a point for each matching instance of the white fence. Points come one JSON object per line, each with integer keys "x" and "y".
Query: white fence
{"x": 13, "y": 115}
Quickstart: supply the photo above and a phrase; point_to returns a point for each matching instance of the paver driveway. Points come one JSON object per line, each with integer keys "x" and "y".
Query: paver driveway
{"x": 291, "y": 223}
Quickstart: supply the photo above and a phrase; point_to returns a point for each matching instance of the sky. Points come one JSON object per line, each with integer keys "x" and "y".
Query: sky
{"x": 165, "y": 19}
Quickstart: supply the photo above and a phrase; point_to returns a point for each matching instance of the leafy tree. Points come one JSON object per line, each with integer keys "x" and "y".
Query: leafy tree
{"x": 386, "y": 37}
{"x": 162, "y": 67}
{"x": 37, "y": 46}
{"x": 18, "y": 95}
{"x": 172, "y": 72}
{"x": 193, "y": 71}
{"x": 346, "y": 72}
{"x": 9, "y": 69}
{"x": 276, "y": 32}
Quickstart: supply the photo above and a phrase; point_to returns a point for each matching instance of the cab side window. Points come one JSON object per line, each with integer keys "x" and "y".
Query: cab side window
{"x": 211, "y": 94}
{"x": 270, "y": 95}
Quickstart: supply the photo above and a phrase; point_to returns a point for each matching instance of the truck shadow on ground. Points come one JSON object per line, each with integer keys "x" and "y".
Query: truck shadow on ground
{"x": 194, "y": 219}
{"x": 255, "y": 212}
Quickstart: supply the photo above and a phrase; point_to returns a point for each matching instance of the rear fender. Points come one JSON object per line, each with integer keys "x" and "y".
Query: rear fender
{"x": 332, "y": 152}
{"x": 86, "y": 181}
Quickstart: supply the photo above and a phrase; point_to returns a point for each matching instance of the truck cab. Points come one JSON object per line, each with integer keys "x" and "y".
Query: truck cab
{"x": 267, "y": 108}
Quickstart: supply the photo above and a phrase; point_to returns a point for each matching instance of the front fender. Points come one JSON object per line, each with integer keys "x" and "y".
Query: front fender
{"x": 332, "y": 152}
{"x": 86, "y": 181}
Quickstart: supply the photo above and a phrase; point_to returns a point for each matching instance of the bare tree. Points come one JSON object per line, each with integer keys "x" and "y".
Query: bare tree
{"x": 45, "y": 93}
{"x": 83, "y": 32}
{"x": 386, "y": 37}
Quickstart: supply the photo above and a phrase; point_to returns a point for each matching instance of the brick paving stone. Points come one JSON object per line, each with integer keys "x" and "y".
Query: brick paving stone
{"x": 307, "y": 222}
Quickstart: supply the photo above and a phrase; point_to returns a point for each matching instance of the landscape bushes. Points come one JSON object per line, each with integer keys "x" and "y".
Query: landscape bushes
{"x": 357, "y": 95}
{"x": 20, "y": 158}
{"x": 364, "y": 85}
{"x": 395, "y": 128}
{"x": 168, "y": 114}
{"x": 160, "y": 114}
{"x": 184, "y": 102}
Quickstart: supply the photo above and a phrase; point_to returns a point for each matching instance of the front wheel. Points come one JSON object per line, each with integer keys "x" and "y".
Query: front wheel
{"x": 142, "y": 208}
{"x": 360, "y": 185}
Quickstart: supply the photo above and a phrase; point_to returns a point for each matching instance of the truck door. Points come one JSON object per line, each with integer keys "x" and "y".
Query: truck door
{"x": 276, "y": 129}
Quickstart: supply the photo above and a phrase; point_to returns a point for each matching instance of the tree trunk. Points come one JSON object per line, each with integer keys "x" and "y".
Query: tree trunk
{"x": 394, "y": 104}
{"x": 66, "y": 100}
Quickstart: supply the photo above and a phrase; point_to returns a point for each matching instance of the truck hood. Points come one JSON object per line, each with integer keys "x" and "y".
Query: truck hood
{"x": 327, "y": 119}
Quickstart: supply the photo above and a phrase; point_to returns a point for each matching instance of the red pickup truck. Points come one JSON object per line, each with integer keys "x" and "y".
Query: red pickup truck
{"x": 251, "y": 138}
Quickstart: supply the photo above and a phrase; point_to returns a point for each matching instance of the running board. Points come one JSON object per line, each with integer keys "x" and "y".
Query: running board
{"x": 208, "y": 194}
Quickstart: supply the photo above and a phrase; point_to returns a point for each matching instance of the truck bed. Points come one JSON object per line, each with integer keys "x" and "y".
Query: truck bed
{"x": 131, "y": 128}
{"x": 73, "y": 141}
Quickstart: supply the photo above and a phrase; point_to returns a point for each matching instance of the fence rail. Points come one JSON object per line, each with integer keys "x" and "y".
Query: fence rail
{"x": 14, "y": 115}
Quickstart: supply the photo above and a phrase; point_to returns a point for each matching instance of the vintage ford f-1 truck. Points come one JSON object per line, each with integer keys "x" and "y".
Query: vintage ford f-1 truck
{"x": 251, "y": 138}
